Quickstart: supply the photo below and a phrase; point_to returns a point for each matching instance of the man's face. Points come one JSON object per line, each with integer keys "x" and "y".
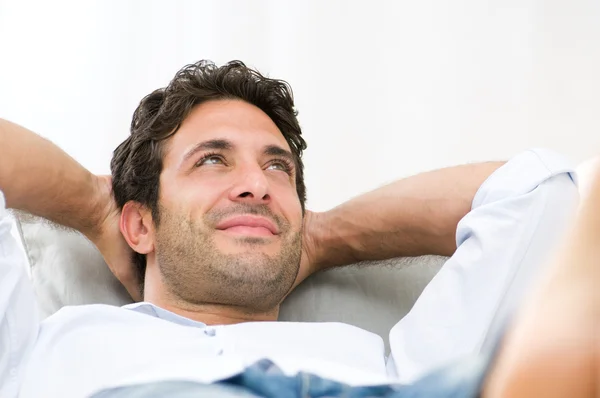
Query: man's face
{"x": 230, "y": 218}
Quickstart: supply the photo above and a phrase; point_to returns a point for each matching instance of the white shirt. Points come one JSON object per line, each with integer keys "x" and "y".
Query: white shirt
{"x": 81, "y": 350}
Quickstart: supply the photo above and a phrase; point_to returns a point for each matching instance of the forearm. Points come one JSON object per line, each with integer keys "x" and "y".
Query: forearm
{"x": 414, "y": 216}
{"x": 38, "y": 177}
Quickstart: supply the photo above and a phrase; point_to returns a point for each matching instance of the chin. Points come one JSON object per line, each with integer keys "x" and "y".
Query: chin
{"x": 253, "y": 244}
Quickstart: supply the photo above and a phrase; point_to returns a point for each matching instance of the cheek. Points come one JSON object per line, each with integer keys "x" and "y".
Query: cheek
{"x": 290, "y": 205}
{"x": 197, "y": 195}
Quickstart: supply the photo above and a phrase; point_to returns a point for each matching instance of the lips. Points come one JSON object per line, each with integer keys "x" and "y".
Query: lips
{"x": 248, "y": 224}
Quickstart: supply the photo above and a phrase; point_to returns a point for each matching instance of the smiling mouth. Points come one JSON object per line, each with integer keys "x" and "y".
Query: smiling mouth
{"x": 248, "y": 225}
{"x": 245, "y": 230}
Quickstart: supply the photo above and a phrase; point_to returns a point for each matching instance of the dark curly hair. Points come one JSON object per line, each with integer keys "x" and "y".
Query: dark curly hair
{"x": 137, "y": 163}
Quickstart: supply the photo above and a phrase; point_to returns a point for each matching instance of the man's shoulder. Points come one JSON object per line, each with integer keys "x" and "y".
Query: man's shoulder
{"x": 89, "y": 313}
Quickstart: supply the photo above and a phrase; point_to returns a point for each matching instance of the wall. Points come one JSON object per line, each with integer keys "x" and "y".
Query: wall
{"x": 384, "y": 88}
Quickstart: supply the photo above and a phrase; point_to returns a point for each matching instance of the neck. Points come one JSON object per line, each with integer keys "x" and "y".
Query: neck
{"x": 208, "y": 313}
{"x": 158, "y": 293}
{"x": 212, "y": 314}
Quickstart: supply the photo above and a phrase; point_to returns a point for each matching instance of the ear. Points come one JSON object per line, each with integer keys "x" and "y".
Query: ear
{"x": 137, "y": 227}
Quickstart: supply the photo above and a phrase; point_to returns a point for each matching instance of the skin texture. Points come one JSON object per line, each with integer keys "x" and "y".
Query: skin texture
{"x": 193, "y": 265}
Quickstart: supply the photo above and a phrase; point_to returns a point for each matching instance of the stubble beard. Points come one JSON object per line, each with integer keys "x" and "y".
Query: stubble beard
{"x": 197, "y": 272}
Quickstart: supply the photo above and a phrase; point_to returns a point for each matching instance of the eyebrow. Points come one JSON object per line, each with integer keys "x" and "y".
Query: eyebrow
{"x": 225, "y": 145}
{"x": 207, "y": 146}
{"x": 274, "y": 150}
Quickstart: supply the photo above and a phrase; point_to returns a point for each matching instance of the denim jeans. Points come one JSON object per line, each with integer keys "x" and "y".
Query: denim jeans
{"x": 264, "y": 379}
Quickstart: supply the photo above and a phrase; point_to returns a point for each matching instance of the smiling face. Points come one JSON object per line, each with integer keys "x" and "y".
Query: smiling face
{"x": 230, "y": 217}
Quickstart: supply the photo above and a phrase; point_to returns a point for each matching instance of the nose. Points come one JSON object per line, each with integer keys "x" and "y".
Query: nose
{"x": 251, "y": 187}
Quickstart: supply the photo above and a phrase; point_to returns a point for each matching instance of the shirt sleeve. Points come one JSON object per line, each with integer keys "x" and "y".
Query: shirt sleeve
{"x": 518, "y": 216}
{"x": 19, "y": 319}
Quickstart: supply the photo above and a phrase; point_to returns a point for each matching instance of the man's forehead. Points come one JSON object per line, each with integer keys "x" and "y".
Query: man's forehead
{"x": 243, "y": 125}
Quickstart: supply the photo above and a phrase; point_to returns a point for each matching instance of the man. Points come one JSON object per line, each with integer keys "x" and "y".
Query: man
{"x": 209, "y": 204}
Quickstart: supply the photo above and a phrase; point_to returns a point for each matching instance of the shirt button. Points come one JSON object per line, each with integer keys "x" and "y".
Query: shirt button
{"x": 210, "y": 332}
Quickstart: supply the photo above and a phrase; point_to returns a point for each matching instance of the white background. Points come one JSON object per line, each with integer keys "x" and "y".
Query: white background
{"x": 385, "y": 89}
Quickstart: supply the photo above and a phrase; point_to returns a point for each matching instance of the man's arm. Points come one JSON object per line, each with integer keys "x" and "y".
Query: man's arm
{"x": 414, "y": 216}
{"x": 552, "y": 347}
{"x": 38, "y": 177}
{"x": 518, "y": 213}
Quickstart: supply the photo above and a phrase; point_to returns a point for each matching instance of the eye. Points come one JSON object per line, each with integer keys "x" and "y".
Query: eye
{"x": 277, "y": 166}
{"x": 280, "y": 165}
{"x": 210, "y": 158}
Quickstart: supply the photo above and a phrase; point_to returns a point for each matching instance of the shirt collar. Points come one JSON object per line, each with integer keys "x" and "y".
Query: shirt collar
{"x": 157, "y": 312}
